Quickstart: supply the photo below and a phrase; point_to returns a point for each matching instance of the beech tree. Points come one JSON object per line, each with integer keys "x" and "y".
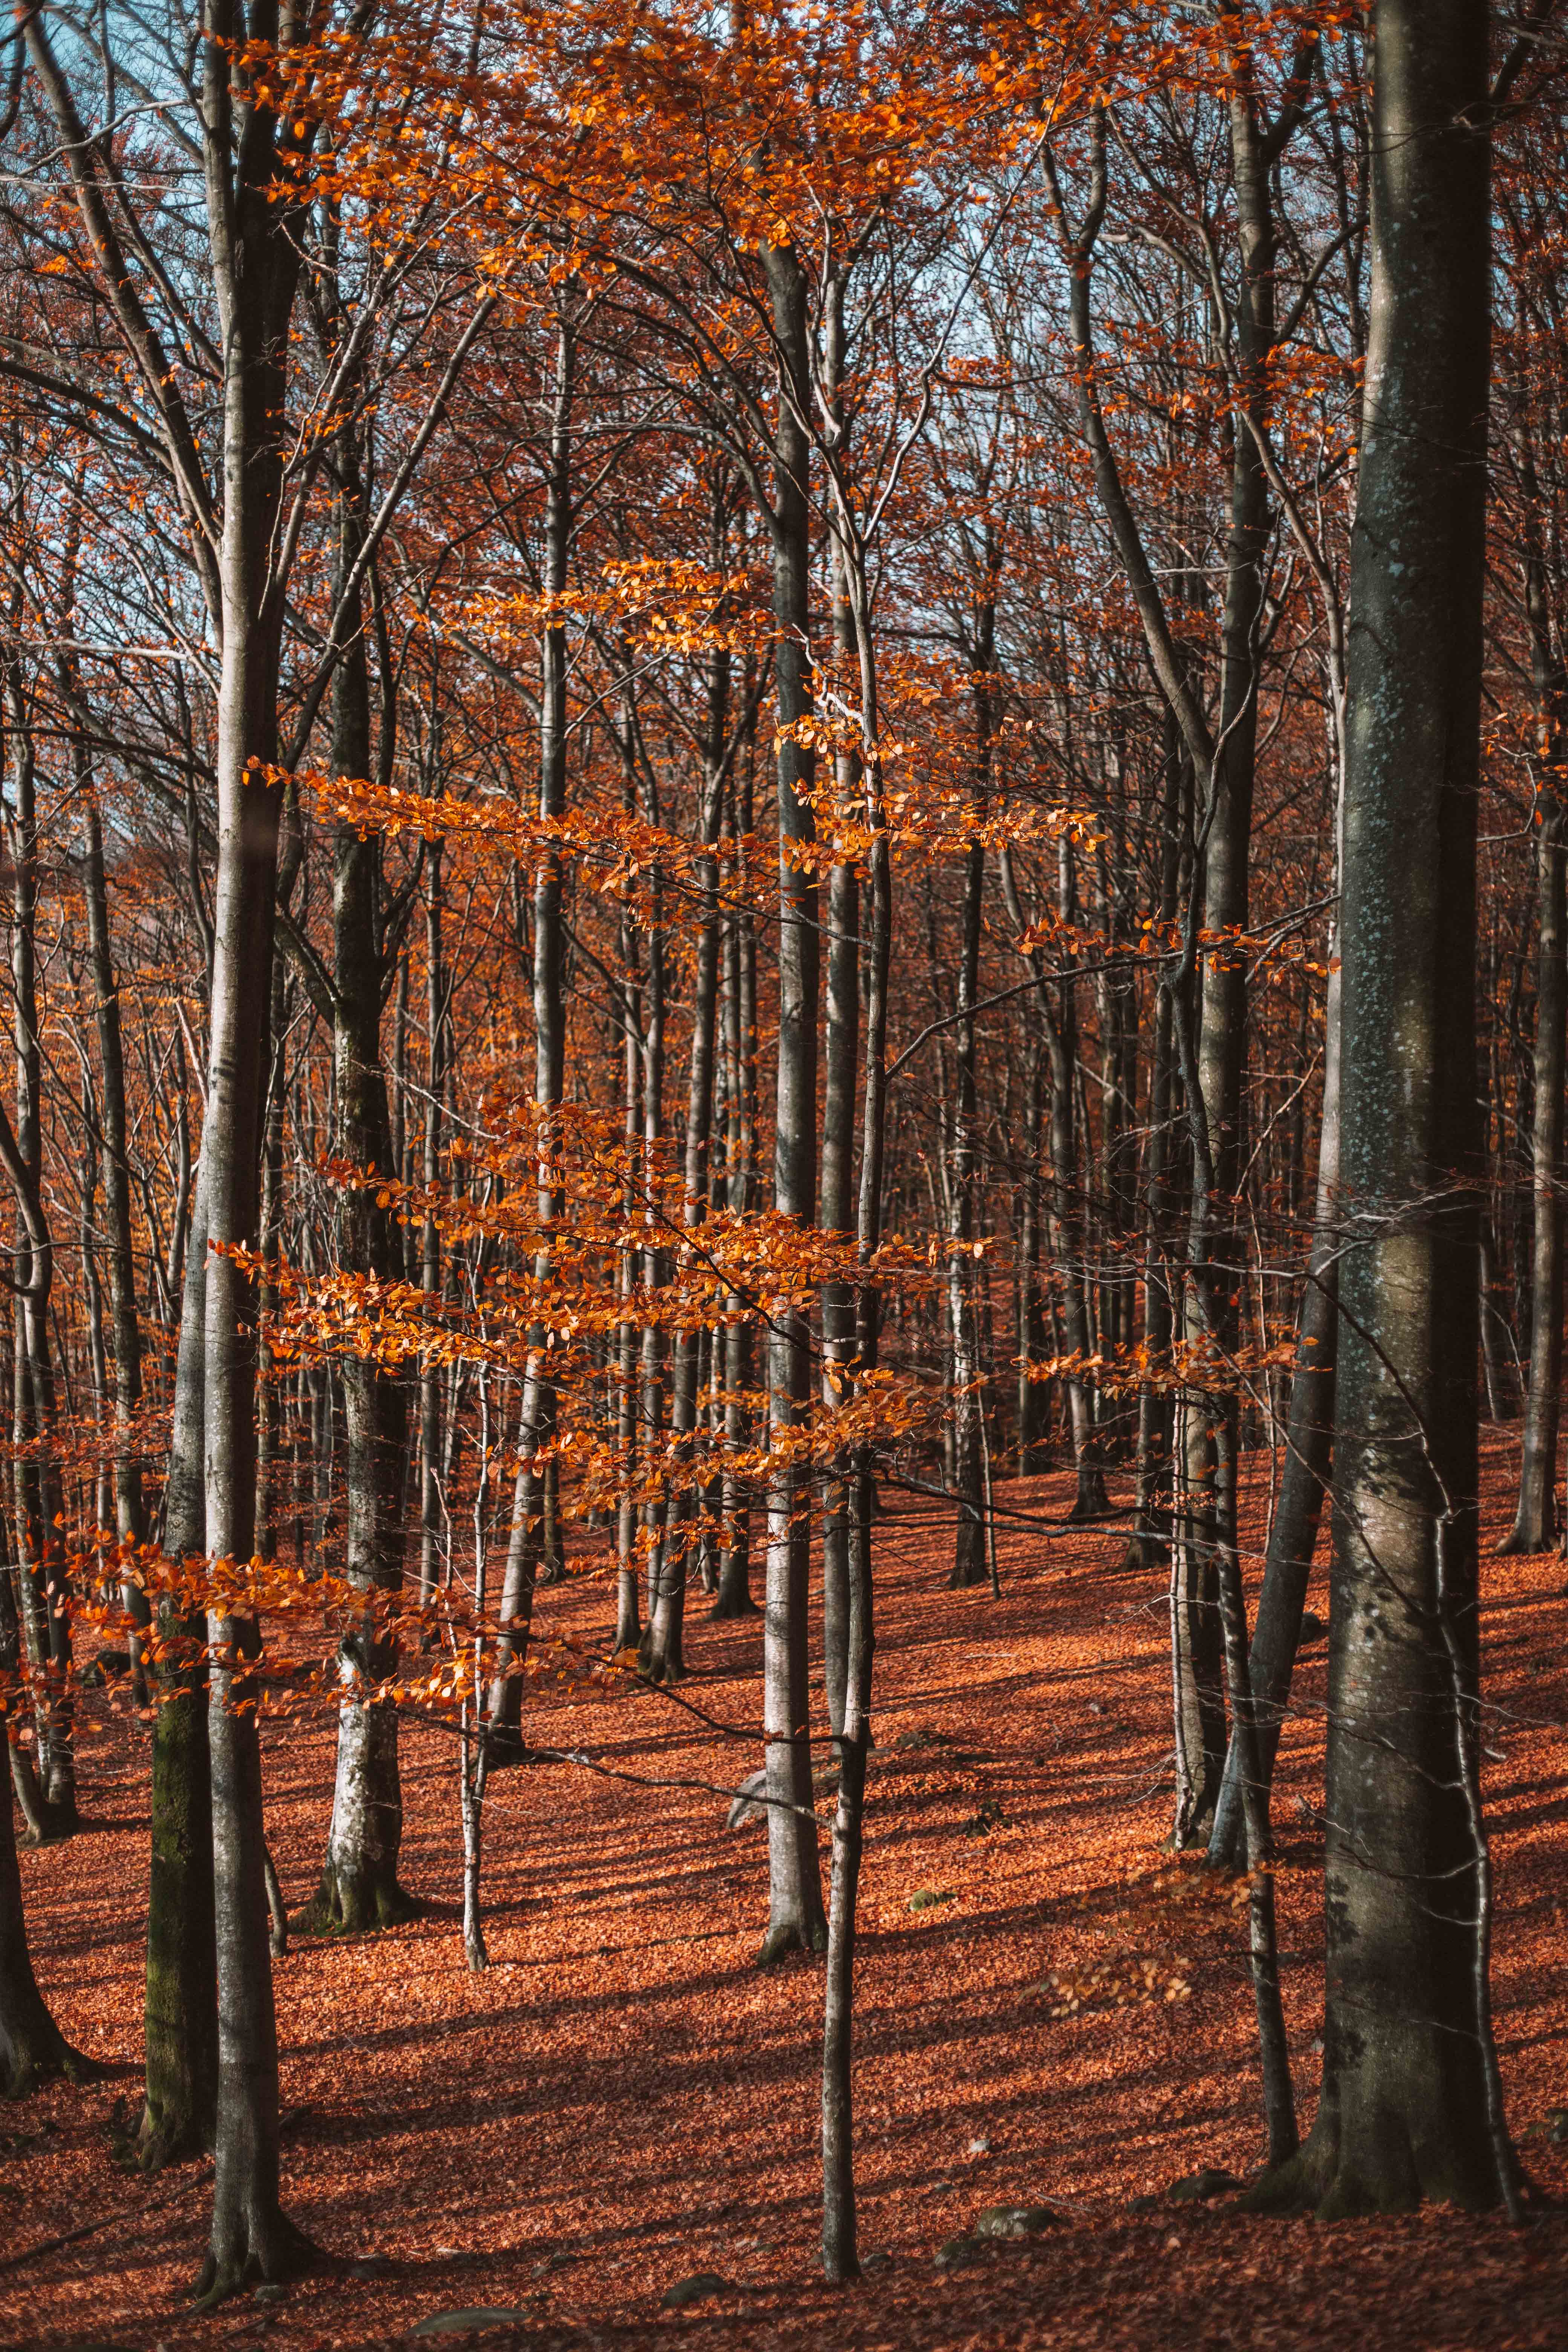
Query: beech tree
{"x": 743, "y": 766}
{"x": 1412, "y": 2104}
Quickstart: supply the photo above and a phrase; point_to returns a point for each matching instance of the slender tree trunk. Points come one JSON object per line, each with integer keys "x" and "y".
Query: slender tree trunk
{"x": 969, "y": 1563}
{"x": 839, "y": 1055}
{"x": 838, "y": 1297}
{"x": 270, "y": 1481}
{"x": 655, "y": 1269}
{"x": 129, "y": 1509}
{"x": 538, "y": 1413}
{"x": 359, "y": 1887}
{"x": 666, "y": 1658}
{"x": 840, "y": 2249}
{"x": 629, "y": 1628}
{"x": 1060, "y": 1034}
{"x": 473, "y": 1746}
{"x": 1215, "y": 1253}
{"x": 740, "y": 1166}
{"x": 1279, "y": 2098}
{"x": 437, "y": 1023}
{"x": 1535, "y": 1524}
{"x": 1151, "y": 1523}
{"x": 46, "y": 1594}
{"x": 1309, "y": 1454}
{"x": 1033, "y": 1394}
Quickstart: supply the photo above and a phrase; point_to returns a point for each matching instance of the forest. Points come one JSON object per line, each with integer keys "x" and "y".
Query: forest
{"x": 785, "y": 878}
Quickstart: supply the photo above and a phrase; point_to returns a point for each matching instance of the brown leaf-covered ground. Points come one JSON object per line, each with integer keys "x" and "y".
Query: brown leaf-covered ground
{"x": 625, "y": 2100}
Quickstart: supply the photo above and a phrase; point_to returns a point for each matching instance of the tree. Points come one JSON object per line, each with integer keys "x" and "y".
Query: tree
{"x": 1411, "y": 2105}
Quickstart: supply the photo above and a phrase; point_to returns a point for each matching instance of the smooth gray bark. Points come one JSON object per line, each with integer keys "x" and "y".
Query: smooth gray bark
{"x": 180, "y": 2016}
{"x": 1411, "y": 2105}
{"x": 795, "y": 1917}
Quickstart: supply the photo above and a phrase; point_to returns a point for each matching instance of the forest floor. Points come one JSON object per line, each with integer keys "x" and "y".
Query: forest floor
{"x": 625, "y": 2100}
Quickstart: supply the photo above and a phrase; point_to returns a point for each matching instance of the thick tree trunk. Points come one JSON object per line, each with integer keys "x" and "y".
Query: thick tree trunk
{"x": 250, "y": 2236}
{"x": 180, "y": 2019}
{"x": 256, "y": 246}
{"x": 1411, "y": 2107}
{"x": 32, "y": 2046}
{"x": 795, "y": 1919}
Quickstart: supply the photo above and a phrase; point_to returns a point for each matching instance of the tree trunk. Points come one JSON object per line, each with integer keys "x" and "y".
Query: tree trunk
{"x": 256, "y": 252}
{"x": 359, "y": 1887}
{"x": 129, "y": 1509}
{"x": 270, "y": 1481}
{"x": 1535, "y": 1524}
{"x": 32, "y": 2046}
{"x": 437, "y": 1021}
{"x": 795, "y": 1919}
{"x": 46, "y": 1599}
{"x": 1151, "y": 1523}
{"x": 839, "y": 1057}
{"x": 840, "y": 2251}
{"x": 538, "y": 1413}
{"x": 250, "y": 2237}
{"x": 1309, "y": 1456}
{"x": 734, "y": 1598}
{"x": 179, "y": 2117}
{"x": 970, "y": 1557}
{"x": 628, "y": 1626}
{"x": 740, "y": 1162}
{"x": 665, "y": 1659}
{"x": 656, "y": 1494}
{"x": 1411, "y": 2107}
